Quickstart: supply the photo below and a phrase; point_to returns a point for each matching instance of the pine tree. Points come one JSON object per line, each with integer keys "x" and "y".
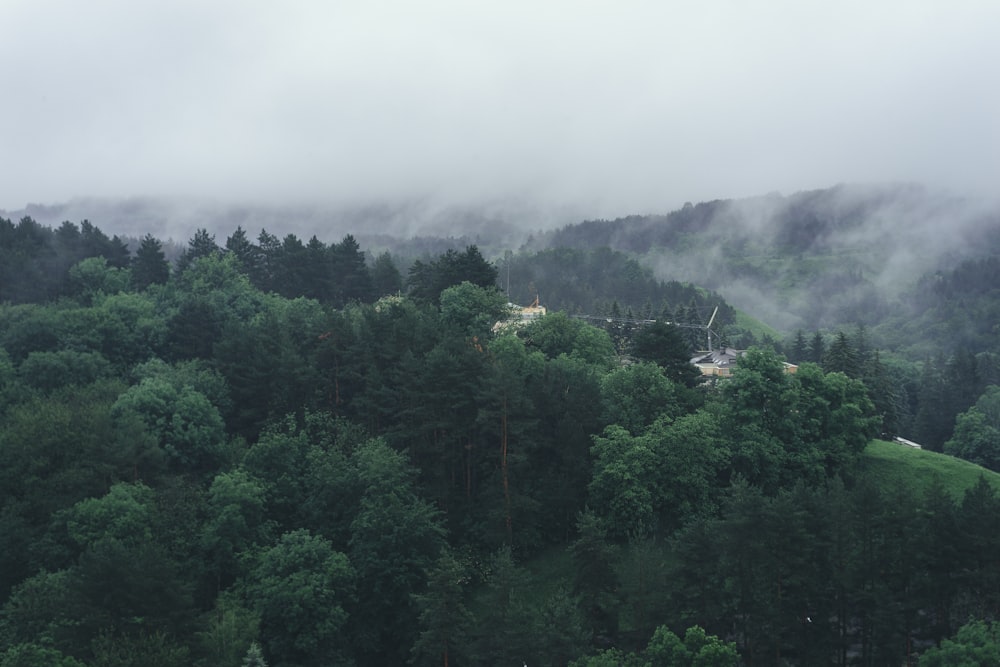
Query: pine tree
{"x": 817, "y": 348}
{"x": 841, "y": 357}
{"x": 149, "y": 266}
{"x": 254, "y": 657}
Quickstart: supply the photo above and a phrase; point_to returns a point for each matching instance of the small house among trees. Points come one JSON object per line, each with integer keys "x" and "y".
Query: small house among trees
{"x": 720, "y": 363}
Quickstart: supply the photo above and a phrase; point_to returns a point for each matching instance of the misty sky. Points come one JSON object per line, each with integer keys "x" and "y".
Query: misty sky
{"x": 613, "y": 107}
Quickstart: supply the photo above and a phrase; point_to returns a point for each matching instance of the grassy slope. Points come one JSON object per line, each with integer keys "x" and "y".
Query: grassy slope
{"x": 889, "y": 463}
{"x": 758, "y": 328}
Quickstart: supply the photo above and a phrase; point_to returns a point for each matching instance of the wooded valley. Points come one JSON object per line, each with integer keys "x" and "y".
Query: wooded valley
{"x": 293, "y": 453}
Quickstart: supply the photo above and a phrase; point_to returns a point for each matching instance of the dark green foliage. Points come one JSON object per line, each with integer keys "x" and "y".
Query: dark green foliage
{"x": 248, "y": 256}
{"x": 386, "y": 278}
{"x": 443, "y": 618}
{"x": 977, "y": 644}
{"x": 149, "y": 266}
{"x": 427, "y": 280}
{"x": 35, "y": 655}
{"x": 664, "y": 345}
{"x": 977, "y": 432}
{"x": 302, "y": 588}
{"x": 201, "y": 245}
{"x": 193, "y": 465}
{"x": 35, "y": 260}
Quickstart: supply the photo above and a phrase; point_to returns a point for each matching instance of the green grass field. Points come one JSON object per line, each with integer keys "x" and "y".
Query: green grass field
{"x": 890, "y": 463}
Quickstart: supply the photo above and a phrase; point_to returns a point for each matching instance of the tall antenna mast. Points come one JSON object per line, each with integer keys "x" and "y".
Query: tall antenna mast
{"x": 708, "y": 327}
{"x": 507, "y": 256}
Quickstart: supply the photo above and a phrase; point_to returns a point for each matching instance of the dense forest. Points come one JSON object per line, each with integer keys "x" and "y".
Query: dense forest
{"x": 286, "y": 453}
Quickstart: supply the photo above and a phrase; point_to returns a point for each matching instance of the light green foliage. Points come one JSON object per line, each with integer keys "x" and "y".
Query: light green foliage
{"x": 885, "y": 462}
{"x": 35, "y": 655}
{"x": 977, "y": 432}
{"x": 126, "y": 513}
{"x": 187, "y": 426}
{"x": 131, "y": 327}
{"x": 557, "y": 334}
{"x": 611, "y": 657}
{"x": 301, "y": 587}
{"x": 977, "y": 644}
{"x": 472, "y": 309}
{"x": 624, "y": 486}
{"x": 635, "y": 396}
{"x": 660, "y": 478}
{"x": 152, "y": 649}
{"x": 230, "y": 635}
{"x": 236, "y": 520}
{"x": 93, "y": 276}
{"x": 666, "y": 649}
{"x": 50, "y": 370}
{"x": 194, "y": 373}
{"x": 785, "y": 428}
{"x": 254, "y": 657}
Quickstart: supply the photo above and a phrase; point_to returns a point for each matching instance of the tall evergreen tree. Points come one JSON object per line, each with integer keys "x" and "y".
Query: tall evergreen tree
{"x": 386, "y": 278}
{"x": 841, "y": 357}
{"x": 202, "y": 244}
{"x": 246, "y": 253}
{"x": 149, "y": 266}
{"x": 351, "y": 278}
{"x": 817, "y": 348}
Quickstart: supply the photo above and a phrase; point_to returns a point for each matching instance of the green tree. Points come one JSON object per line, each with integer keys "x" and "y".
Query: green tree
{"x": 352, "y": 281}
{"x": 501, "y": 637}
{"x": 235, "y": 523}
{"x": 624, "y": 485}
{"x": 254, "y": 657}
{"x": 386, "y": 278}
{"x": 635, "y": 396}
{"x": 663, "y": 344}
{"x": 842, "y": 357}
{"x": 248, "y": 256}
{"x": 49, "y": 371}
{"x": 977, "y": 432}
{"x": 302, "y": 588}
{"x": 149, "y": 266}
{"x": 93, "y": 276}
{"x": 595, "y": 580}
{"x": 36, "y": 655}
{"x": 201, "y": 245}
{"x": 427, "y": 280}
{"x": 395, "y": 539}
{"x": 444, "y": 621}
{"x": 188, "y": 427}
{"x": 229, "y": 634}
{"x": 976, "y": 644}
{"x": 472, "y": 310}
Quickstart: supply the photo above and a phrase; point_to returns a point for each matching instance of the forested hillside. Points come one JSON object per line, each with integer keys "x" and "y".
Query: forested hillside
{"x": 287, "y": 453}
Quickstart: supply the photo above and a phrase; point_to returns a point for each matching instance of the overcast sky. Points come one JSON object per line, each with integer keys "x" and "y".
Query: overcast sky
{"x": 619, "y": 107}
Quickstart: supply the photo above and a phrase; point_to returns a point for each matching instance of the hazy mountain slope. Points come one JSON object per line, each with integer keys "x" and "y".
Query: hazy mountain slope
{"x": 812, "y": 259}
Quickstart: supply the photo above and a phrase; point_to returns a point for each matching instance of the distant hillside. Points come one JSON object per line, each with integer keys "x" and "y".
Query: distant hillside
{"x": 813, "y": 259}
{"x": 889, "y": 463}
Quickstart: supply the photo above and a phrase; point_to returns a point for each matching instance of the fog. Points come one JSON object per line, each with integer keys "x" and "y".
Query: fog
{"x": 534, "y": 112}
